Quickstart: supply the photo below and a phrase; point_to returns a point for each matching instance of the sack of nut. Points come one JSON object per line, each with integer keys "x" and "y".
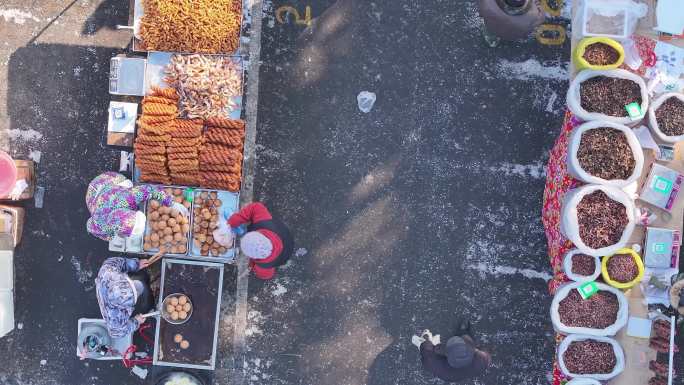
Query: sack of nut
{"x": 602, "y": 314}
{"x": 598, "y": 219}
{"x": 669, "y": 116}
{"x": 582, "y": 356}
{"x": 581, "y": 267}
{"x": 605, "y": 153}
{"x": 605, "y": 95}
{"x": 583, "y": 381}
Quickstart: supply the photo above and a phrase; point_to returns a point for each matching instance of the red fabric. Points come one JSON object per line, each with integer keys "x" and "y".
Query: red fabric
{"x": 255, "y": 213}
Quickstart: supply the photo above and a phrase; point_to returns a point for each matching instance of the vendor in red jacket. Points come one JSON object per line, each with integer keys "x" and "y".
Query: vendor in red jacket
{"x": 264, "y": 239}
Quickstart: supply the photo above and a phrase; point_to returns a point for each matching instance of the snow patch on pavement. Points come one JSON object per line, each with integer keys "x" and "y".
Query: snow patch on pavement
{"x": 532, "y": 69}
{"x": 254, "y": 322}
{"x": 300, "y": 252}
{"x": 85, "y": 276}
{"x": 29, "y": 135}
{"x": 498, "y": 271}
{"x": 535, "y": 170}
{"x": 279, "y": 289}
{"x": 16, "y": 16}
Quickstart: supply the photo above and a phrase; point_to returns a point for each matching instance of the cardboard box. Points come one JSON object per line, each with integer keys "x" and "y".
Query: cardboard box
{"x": 16, "y": 224}
{"x": 26, "y": 169}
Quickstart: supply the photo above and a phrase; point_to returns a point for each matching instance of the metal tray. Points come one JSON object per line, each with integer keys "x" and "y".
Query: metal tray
{"x": 147, "y": 229}
{"x": 203, "y": 281}
{"x": 138, "y": 11}
{"x": 230, "y": 204}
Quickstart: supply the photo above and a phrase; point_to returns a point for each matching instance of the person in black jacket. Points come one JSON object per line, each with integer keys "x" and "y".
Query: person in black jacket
{"x": 456, "y": 360}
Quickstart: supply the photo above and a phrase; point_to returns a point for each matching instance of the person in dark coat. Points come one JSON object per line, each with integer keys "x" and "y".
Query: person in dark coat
{"x": 509, "y": 19}
{"x": 455, "y": 360}
{"x": 264, "y": 239}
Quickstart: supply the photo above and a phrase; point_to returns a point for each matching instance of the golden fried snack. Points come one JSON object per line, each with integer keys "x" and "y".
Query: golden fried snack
{"x": 213, "y": 147}
{"x": 190, "y": 123}
{"x": 235, "y": 124}
{"x": 186, "y": 181}
{"x": 183, "y": 168}
{"x": 235, "y": 167}
{"x": 216, "y": 158}
{"x": 175, "y": 150}
{"x": 154, "y": 129}
{"x": 159, "y": 109}
{"x": 183, "y": 155}
{"x": 168, "y": 93}
{"x": 185, "y": 142}
{"x": 193, "y": 132}
{"x": 152, "y": 168}
{"x": 154, "y": 178}
{"x": 141, "y": 149}
{"x": 222, "y": 138}
{"x": 150, "y": 158}
{"x": 224, "y": 132}
{"x": 159, "y": 99}
{"x": 153, "y": 138}
{"x": 217, "y": 176}
{"x": 178, "y": 162}
{"x": 233, "y": 186}
{"x": 153, "y": 119}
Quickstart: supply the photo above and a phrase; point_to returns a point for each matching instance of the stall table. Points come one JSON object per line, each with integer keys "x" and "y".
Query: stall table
{"x": 202, "y": 282}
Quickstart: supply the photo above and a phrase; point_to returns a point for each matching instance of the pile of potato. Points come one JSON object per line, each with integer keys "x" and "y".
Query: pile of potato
{"x": 205, "y": 221}
{"x": 166, "y": 226}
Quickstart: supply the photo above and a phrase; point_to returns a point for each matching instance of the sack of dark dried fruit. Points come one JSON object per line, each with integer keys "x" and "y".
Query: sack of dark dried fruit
{"x": 581, "y": 267}
{"x": 623, "y": 269}
{"x": 602, "y": 314}
{"x": 666, "y": 117}
{"x": 605, "y": 94}
{"x": 598, "y": 219}
{"x": 583, "y": 381}
{"x": 582, "y": 356}
{"x": 605, "y": 153}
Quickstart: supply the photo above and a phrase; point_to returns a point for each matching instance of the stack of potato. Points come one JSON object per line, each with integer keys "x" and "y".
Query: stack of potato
{"x": 220, "y": 159}
{"x": 159, "y": 110}
{"x": 183, "y": 152}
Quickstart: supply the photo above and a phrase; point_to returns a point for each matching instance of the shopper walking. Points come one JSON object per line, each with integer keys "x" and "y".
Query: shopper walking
{"x": 264, "y": 239}
{"x": 455, "y": 360}
{"x": 509, "y": 19}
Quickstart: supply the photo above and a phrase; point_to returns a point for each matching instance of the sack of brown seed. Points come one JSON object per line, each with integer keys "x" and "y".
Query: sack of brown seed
{"x": 583, "y": 381}
{"x": 670, "y": 116}
{"x": 614, "y": 225}
{"x": 608, "y": 97}
{"x": 576, "y": 265}
{"x": 568, "y": 306}
{"x": 597, "y": 358}
{"x": 605, "y": 153}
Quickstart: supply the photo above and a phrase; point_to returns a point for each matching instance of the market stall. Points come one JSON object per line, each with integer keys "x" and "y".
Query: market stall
{"x": 176, "y": 113}
{"x": 612, "y": 210}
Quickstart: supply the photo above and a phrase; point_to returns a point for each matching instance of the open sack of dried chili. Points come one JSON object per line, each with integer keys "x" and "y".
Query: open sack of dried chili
{"x": 598, "y": 219}
{"x": 602, "y": 314}
{"x": 605, "y": 153}
{"x": 582, "y": 356}
{"x": 605, "y": 95}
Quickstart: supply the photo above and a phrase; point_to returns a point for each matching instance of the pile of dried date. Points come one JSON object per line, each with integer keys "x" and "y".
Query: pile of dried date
{"x": 597, "y": 312}
{"x": 608, "y": 95}
{"x": 600, "y": 54}
{"x": 583, "y": 264}
{"x": 670, "y": 117}
{"x": 590, "y": 357}
{"x": 622, "y": 268}
{"x": 601, "y": 220}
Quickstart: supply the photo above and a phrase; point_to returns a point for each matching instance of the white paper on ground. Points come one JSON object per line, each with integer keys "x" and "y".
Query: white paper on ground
{"x": 639, "y": 327}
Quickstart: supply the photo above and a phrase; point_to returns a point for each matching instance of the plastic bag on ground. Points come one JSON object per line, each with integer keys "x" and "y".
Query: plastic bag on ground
{"x": 575, "y": 104}
{"x": 567, "y": 268}
{"x": 576, "y": 170}
{"x": 570, "y": 227}
{"x": 619, "y": 355}
{"x": 620, "y": 321}
{"x": 653, "y": 123}
{"x": 366, "y": 100}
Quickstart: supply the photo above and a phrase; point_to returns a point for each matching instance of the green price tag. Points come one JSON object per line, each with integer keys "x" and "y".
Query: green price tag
{"x": 634, "y": 111}
{"x": 189, "y": 194}
{"x": 588, "y": 289}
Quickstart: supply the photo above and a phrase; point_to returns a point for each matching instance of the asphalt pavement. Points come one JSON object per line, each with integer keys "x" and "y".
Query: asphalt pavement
{"x": 424, "y": 211}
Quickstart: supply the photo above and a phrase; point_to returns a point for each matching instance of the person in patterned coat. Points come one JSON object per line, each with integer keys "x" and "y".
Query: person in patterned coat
{"x": 115, "y": 204}
{"x": 123, "y": 290}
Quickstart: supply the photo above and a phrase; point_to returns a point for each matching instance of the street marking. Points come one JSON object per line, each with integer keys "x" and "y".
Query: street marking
{"x": 288, "y": 9}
